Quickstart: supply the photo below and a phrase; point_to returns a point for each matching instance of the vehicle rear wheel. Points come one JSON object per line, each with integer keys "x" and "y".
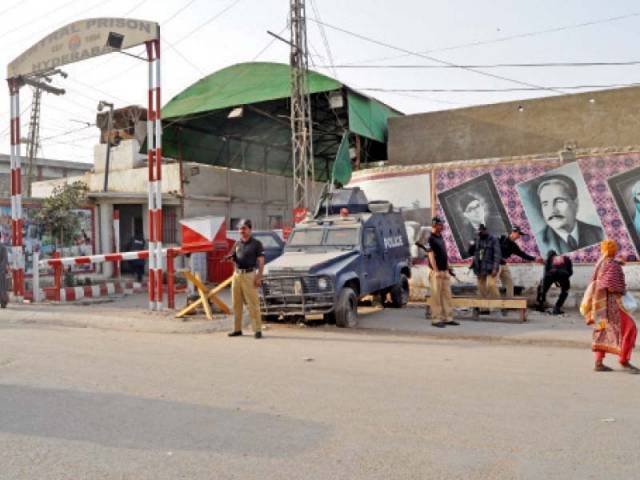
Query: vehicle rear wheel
{"x": 346, "y": 312}
{"x": 400, "y": 292}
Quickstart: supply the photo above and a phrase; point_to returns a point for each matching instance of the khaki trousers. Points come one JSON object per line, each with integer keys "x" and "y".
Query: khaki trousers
{"x": 441, "y": 309}
{"x": 487, "y": 286}
{"x": 506, "y": 280}
{"x": 244, "y": 292}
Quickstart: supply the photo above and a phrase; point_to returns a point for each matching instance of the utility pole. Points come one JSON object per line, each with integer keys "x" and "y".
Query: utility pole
{"x": 37, "y": 82}
{"x": 33, "y": 138}
{"x": 301, "y": 124}
{"x": 101, "y": 107}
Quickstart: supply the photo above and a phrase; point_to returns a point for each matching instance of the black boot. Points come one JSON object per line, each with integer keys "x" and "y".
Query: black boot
{"x": 557, "y": 310}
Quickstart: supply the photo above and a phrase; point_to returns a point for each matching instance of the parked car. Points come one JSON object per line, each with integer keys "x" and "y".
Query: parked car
{"x": 271, "y": 240}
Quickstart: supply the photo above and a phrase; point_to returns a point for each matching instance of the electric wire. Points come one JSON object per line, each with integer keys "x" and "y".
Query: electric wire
{"x": 434, "y": 59}
{"x": 492, "y": 90}
{"x": 511, "y": 37}
{"x": 183, "y": 38}
{"x": 20, "y": 2}
{"x": 68, "y": 132}
{"x": 325, "y": 41}
{"x": 47, "y": 14}
{"x": 492, "y": 65}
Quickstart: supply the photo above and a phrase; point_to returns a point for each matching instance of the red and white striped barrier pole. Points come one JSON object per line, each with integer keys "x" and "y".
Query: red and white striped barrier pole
{"x": 116, "y": 241}
{"x": 86, "y": 260}
{"x": 158, "y": 155}
{"x": 17, "y": 269}
{"x": 151, "y": 185}
{"x": 154, "y": 158}
{"x": 57, "y": 276}
{"x": 171, "y": 286}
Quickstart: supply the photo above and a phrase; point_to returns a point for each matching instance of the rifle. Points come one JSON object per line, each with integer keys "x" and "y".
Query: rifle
{"x": 423, "y": 247}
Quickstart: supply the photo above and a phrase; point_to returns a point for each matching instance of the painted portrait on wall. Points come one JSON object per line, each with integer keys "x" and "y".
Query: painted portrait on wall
{"x": 625, "y": 188}
{"x": 470, "y": 204}
{"x": 560, "y": 210}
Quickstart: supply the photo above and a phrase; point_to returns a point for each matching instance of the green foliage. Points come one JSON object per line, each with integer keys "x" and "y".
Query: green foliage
{"x": 56, "y": 215}
{"x": 68, "y": 280}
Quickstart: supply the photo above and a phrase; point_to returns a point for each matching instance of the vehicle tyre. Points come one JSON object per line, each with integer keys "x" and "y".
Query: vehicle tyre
{"x": 382, "y": 297}
{"x": 329, "y": 318}
{"x": 400, "y": 292}
{"x": 346, "y": 312}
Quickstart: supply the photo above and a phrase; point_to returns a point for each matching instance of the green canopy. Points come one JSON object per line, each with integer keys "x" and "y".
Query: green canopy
{"x": 241, "y": 84}
{"x": 198, "y": 125}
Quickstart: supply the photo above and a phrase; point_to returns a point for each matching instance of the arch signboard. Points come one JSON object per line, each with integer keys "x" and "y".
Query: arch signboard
{"x": 77, "y": 41}
{"x": 81, "y": 40}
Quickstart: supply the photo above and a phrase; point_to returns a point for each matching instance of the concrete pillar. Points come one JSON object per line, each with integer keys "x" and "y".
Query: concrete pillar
{"x": 106, "y": 234}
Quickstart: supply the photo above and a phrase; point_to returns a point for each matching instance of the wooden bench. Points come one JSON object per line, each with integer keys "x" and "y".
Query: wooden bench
{"x": 477, "y": 303}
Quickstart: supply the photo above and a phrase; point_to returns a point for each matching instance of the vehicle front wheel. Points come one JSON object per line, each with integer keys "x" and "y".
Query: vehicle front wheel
{"x": 346, "y": 312}
{"x": 329, "y": 318}
{"x": 400, "y": 292}
{"x": 270, "y": 318}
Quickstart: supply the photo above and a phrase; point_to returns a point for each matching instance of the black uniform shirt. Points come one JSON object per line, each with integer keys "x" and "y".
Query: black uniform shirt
{"x": 508, "y": 247}
{"x": 246, "y": 254}
{"x": 436, "y": 244}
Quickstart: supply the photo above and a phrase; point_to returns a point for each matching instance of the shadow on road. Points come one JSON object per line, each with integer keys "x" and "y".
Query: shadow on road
{"x": 124, "y": 421}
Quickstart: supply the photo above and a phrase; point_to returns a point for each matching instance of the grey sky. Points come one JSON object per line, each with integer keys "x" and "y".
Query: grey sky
{"x": 240, "y": 33}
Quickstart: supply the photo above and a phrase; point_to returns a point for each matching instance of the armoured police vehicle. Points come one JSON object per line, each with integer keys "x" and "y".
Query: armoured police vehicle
{"x": 349, "y": 249}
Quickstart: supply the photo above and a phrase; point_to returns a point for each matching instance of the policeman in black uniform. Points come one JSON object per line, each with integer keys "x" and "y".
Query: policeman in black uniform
{"x": 558, "y": 269}
{"x": 248, "y": 255}
{"x": 137, "y": 244}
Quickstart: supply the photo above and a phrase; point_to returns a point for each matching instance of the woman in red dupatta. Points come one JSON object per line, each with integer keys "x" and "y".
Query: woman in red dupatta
{"x": 614, "y": 331}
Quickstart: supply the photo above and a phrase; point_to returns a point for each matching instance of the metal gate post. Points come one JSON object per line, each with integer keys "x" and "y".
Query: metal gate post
{"x": 17, "y": 250}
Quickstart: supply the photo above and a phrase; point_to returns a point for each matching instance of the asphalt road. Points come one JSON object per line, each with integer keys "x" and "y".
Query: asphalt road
{"x": 307, "y": 403}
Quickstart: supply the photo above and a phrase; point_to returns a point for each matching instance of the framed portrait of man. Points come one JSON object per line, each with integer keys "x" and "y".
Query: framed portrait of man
{"x": 470, "y": 204}
{"x": 625, "y": 188}
{"x": 560, "y": 210}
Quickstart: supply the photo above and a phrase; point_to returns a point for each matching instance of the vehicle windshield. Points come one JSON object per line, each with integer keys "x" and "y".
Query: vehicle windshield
{"x": 330, "y": 237}
{"x": 309, "y": 236}
{"x": 341, "y": 237}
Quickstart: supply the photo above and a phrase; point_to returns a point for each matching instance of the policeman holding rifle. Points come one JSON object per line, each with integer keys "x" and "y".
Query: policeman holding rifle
{"x": 439, "y": 272}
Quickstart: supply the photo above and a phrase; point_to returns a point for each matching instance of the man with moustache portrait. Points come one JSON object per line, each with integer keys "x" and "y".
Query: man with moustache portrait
{"x": 558, "y": 202}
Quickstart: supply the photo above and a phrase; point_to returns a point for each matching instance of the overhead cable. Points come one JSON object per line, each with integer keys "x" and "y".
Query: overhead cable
{"x": 512, "y": 37}
{"x": 490, "y": 90}
{"x": 491, "y": 65}
{"x": 434, "y": 59}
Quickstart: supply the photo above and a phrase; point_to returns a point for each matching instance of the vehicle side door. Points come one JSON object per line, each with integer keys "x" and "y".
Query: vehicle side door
{"x": 394, "y": 242}
{"x": 371, "y": 260}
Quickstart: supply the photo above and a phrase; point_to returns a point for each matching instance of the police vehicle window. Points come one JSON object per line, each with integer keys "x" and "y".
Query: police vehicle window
{"x": 342, "y": 236}
{"x": 267, "y": 241}
{"x": 306, "y": 237}
{"x": 370, "y": 240}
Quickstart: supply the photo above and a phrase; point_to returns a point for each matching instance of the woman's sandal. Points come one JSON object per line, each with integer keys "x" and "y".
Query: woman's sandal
{"x": 601, "y": 367}
{"x": 630, "y": 368}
